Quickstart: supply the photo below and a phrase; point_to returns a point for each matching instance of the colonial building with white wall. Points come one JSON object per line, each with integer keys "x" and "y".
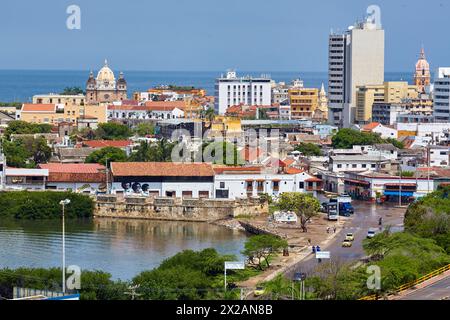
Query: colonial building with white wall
{"x": 245, "y": 182}
{"x": 163, "y": 179}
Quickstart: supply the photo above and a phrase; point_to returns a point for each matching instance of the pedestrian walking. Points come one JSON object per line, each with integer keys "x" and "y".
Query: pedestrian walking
{"x": 334, "y": 229}
{"x": 328, "y": 229}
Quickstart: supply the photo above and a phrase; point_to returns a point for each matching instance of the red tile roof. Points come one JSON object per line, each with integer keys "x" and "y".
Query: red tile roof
{"x": 128, "y": 107}
{"x": 313, "y": 179}
{"x": 165, "y": 105}
{"x": 107, "y": 143}
{"x": 75, "y": 172}
{"x": 237, "y": 170}
{"x": 291, "y": 170}
{"x": 158, "y": 169}
{"x": 130, "y": 102}
{"x": 29, "y": 107}
{"x": 288, "y": 161}
{"x": 73, "y": 167}
{"x": 370, "y": 126}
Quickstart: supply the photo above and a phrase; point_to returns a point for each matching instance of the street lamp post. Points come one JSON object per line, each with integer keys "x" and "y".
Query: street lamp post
{"x": 64, "y": 203}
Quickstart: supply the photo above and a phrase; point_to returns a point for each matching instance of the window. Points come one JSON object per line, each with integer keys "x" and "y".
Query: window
{"x": 222, "y": 185}
{"x": 353, "y": 165}
{"x": 276, "y": 186}
{"x": 364, "y": 165}
{"x": 339, "y": 166}
{"x": 301, "y": 185}
{"x": 373, "y": 165}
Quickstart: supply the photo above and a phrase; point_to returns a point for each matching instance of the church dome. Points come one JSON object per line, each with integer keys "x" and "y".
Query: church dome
{"x": 105, "y": 74}
{"x": 422, "y": 64}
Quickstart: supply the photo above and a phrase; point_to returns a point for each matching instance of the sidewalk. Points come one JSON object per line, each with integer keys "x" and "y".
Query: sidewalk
{"x": 316, "y": 232}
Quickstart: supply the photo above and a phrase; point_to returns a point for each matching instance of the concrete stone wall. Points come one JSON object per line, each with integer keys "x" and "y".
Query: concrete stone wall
{"x": 176, "y": 209}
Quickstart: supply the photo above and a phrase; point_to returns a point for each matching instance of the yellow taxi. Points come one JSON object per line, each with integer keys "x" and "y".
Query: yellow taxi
{"x": 347, "y": 243}
{"x": 259, "y": 291}
{"x": 349, "y": 237}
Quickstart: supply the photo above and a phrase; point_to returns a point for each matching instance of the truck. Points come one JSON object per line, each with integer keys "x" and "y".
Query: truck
{"x": 344, "y": 205}
{"x": 333, "y": 211}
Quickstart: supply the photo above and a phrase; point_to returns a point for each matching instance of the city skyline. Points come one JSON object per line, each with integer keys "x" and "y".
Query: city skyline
{"x": 146, "y": 36}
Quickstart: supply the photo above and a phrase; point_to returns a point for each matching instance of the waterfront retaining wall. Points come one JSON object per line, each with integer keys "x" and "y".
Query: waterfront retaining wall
{"x": 180, "y": 209}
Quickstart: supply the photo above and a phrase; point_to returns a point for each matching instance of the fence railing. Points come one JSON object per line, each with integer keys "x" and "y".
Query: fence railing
{"x": 412, "y": 283}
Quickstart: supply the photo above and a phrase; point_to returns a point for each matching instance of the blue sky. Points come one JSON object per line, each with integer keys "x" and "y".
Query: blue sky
{"x": 210, "y": 35}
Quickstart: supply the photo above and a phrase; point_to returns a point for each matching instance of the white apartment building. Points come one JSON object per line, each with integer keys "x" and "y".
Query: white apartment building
{"x": 356, "y": 58}
{"x": 231, "y": 90}
{"x": 357, "y": 163}
{"x": 435, "y": 132}
{"x": 439, "y": 156}
{"x": 116, "y": 112}
{"x": 391, "y": 113}
{"x": 336, "y": 77}
{"x": 441, "y": 95}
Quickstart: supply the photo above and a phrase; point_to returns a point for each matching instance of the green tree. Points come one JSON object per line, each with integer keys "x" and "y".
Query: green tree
{"x": 304, "y": 205}
{"x": 346, "y": 138}
{"x": 221, "y": 153}
{"x": 95, "y": 285}
{"x": 309, "y": 149}
{"x": 395, "y": 143}
{"x": 335, "y": 280}
{"x": 209, "y": 114}
{"x": 17, "y": 154}
{"x": 280, "y": 288}
{"x": 429, "y": 217}
{"x": 112, "y": 131}
{"x": 145, "y": 129}
{"x": 188, "y": 275}
{"x": 259, "y": 249}
{"x": 41, "y": 151}
{"x": 22, "y": 127}
{"x": 160, "y": 151}
{"x": 44, "y": 205}
{"x": 72, "y": 91}
{"x": 110, "y": 154}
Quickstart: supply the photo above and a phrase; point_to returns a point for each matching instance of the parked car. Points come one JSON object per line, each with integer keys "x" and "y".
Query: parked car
{"x": 371, "y": 233}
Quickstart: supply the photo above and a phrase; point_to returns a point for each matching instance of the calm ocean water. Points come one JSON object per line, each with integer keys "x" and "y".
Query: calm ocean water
{"x": 21, "y": 85}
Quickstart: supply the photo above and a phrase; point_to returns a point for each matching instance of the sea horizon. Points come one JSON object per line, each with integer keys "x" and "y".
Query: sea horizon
{"x": 20, "y": 85}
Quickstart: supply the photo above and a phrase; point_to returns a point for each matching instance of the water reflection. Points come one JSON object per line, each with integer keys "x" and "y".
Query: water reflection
{"x": 121, "y": 247}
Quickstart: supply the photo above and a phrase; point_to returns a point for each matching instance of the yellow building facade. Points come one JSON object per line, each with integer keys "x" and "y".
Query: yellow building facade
{"x": 304, "y": 102}
{"x": 51, "y": 114}
{"x": 389, "y": 92}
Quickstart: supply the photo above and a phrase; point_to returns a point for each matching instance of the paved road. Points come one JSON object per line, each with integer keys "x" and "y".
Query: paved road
{"x": 436, "y": 291}
{"x": 366, "y": 217}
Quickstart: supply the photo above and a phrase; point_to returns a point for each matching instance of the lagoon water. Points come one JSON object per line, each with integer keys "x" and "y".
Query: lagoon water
{"x": 121, "y": 247}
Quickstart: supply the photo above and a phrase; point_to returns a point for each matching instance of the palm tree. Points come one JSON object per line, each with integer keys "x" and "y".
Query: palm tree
{"x": 209, "y": 114}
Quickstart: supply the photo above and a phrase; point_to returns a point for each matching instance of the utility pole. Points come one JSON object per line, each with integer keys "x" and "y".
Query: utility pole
{"x": 64, "y": 203}
{"x": 400, "y": 188}
{"x": 107, "y": 174}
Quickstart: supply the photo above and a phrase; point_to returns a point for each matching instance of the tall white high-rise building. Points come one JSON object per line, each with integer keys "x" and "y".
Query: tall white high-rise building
{"x": 231, "y": 90}
{"x": 356, "y": 58}
{"x": 441, "y": 95}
